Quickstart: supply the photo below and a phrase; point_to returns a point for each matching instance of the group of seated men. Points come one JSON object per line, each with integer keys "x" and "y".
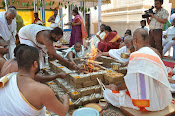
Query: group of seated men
{"x": 145, "y": 81}
{"x": 168, "y": 38}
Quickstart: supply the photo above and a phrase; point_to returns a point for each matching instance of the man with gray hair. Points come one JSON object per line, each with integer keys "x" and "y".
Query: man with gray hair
{"x": 116, "y": 53}
{"x": 8, "y": 29}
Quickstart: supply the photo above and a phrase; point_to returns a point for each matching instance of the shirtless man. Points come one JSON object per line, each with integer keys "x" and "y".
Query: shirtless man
{"x": 55, "y": 20}
{"x": 3, "y": 50}
{"x": 42, "y": 38}
{"x": 11, "y": 66}
{"x": 22, "y": 95}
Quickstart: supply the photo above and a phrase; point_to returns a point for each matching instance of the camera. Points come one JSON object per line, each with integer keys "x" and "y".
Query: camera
{"x": 146, "y": 15}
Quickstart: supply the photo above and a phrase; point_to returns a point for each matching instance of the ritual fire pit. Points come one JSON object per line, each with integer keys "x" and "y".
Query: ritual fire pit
{"x": 82, "y": 86}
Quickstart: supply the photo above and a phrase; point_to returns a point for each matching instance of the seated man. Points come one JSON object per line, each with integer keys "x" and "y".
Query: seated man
{"x": 128, "y": 32}
{"x": 99, "y": 36}
{"x": 37, "y": 20}
{"x": 11, "y": 66}
{"x": 169, "y": 35}
{"x": 22, "y": 95}
{"x": 111, "y": 41}
{"x": 146, "y": 86}
{"x": 75, "y": 51}
{"x": 116, "y": 53}
{"x": 3, "y": 50}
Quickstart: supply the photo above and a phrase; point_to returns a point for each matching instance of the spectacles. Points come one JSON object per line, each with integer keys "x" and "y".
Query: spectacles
{"x": 5, "y": 46}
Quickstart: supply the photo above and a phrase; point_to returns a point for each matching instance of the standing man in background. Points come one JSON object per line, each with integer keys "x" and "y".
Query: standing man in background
{"x": 19, "y": 24}
{"x": 55, "y": 20}
{"x": 143, "y": 25}
{"x": 156, "y": 24}
{"x": 8, "y": 29}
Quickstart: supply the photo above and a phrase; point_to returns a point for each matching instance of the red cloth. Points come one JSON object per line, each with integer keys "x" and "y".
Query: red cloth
{"x": 106, "y": 46}
{"x": 169, "y": 64}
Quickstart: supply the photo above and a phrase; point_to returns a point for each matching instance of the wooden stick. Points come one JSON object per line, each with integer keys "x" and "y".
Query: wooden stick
{"x": 101, "y": 66}
{"x": 101, "y": 84}
{"x": 92, "y": 61}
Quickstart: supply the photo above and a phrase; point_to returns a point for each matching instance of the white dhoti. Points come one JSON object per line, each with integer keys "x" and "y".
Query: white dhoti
{"x": 116, "y": 53}
{"x": 8, "y": 33}
{"x": 146, "y": 81}
{"x": 13, "y": 102}
{"x": 57, "y": 22}
{"x": 95, "y": 40}
{"x": 119, "y": 99}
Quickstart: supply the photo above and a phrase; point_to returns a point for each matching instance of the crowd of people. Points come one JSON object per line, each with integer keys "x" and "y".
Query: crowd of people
{"x": 21, "y": 85}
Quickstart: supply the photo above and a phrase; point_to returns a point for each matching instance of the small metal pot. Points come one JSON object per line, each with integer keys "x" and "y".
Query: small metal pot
{"x": 115, "y": 66}
{"x": 125, "y": 55}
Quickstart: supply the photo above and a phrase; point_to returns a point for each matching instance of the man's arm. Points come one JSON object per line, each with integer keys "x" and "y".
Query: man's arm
{"x": 52, "y": 52}
{"x": 161, "y": 20}
{"x": 49, "y": 100}
{"x": 148, "y": 21}
{"x": 102, "y": 54}
{"x": 114, "y": 87}
{"x": 105, "y": 53}
{"x": 70, "y": 57}
{"x": 47, "y": 78}
{"x": 51, "y": 19}
{"x": 76, "y": 24}
{"x": 99, "y": 38}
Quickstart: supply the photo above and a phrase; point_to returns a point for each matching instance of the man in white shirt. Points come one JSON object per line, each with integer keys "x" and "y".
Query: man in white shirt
{"x": 169, "y": 35}
{"x": 143, "y": 25}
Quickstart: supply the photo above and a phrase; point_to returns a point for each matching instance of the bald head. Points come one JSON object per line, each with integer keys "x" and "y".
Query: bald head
{"x": 140, "y": 38}
{"x": 128, "y": 41}
{"x": 141, "y": 34}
